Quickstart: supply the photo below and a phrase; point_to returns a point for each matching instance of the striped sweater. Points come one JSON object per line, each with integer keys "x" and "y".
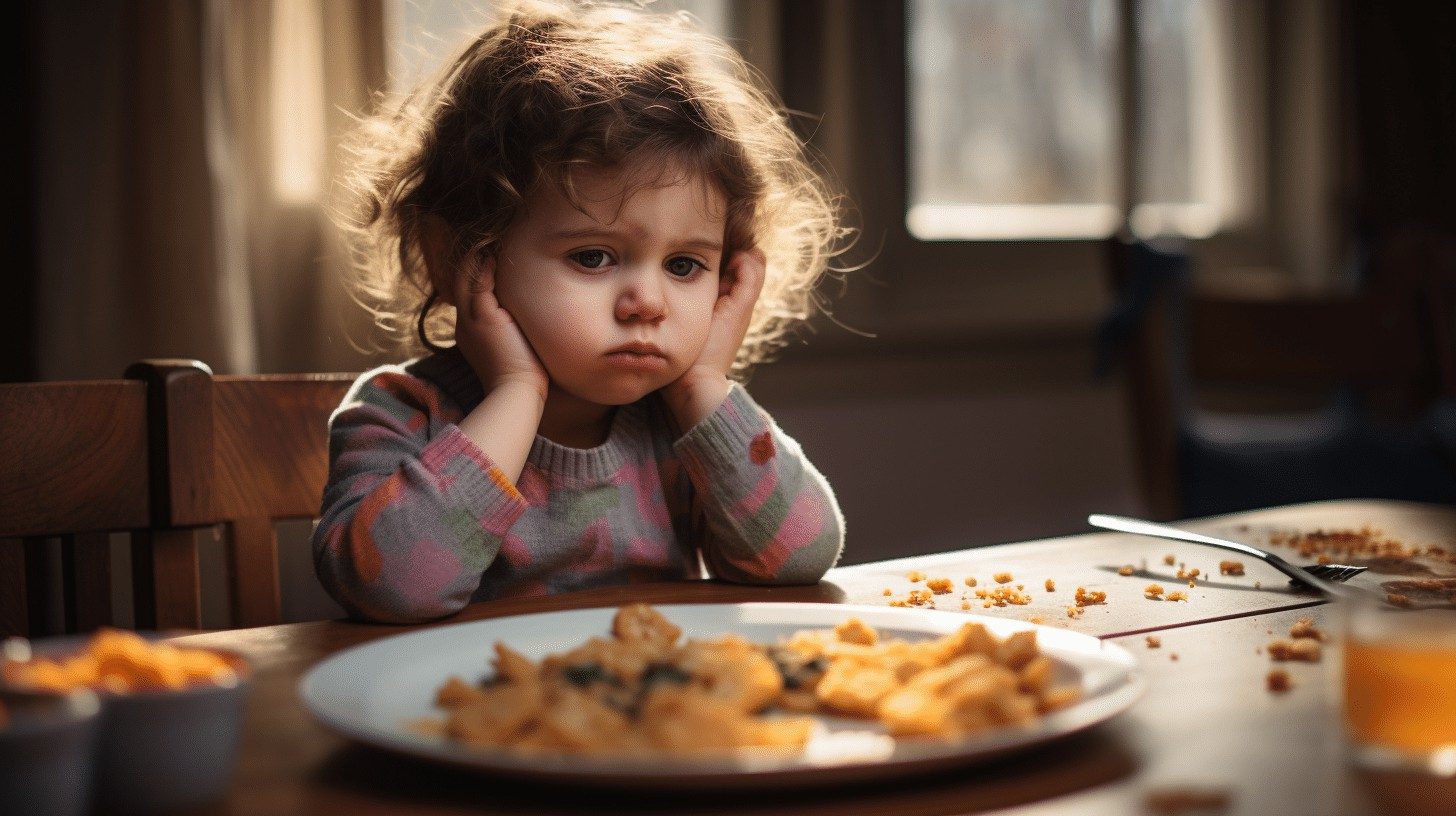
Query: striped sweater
{"x": 417, "y": 521}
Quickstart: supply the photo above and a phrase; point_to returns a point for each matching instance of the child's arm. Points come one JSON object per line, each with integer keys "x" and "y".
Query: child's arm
{"x": 771, "y": 517}
{"x": 414, "y": 511}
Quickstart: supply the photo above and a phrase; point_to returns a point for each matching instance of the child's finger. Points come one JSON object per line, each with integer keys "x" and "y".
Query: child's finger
{"x": 475, "y": 288}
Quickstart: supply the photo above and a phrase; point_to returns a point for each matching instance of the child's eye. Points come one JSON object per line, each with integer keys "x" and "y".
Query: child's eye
{"x": 591, "y": 258}
{"x": 683, "y": 267}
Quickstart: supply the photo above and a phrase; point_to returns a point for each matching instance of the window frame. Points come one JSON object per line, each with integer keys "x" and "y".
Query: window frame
{"x": 844, "y": 65}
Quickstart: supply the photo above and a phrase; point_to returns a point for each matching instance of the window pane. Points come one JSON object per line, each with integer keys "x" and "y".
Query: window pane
{"x": 1012, "y": 103}
{"x": 1166, "y": 40}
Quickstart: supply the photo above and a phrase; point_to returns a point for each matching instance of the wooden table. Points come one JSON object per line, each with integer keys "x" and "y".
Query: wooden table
{"x": 1207, "y": 724}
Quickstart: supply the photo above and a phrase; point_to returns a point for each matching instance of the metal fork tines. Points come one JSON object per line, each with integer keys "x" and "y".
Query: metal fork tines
{"x": 1324, "y": 577}
{"x": 1333, "y": 572}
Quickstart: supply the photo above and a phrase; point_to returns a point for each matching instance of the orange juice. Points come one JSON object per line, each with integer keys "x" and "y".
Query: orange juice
{"x": 1401, "y": 694}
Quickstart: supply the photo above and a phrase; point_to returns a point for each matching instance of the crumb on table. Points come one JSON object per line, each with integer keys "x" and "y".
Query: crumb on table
{"x": 1278, "y": 681}
{"x": 1230, "y": 568}
{"x": 940, "y": 586}
{"x": 1002, "y": 577}
{"x": 1126, "y": 569}
{"x": 1089, "y": 598}
{"x": 1305, "y": 628}
{"x": 1304, "y": 650}
{"x": 1180, "y": 800}
{"x": 1154, "y": 642}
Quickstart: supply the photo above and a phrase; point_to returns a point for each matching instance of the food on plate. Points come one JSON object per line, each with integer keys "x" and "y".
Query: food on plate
{"x": 121, "y": 662}
{"x": 645, "y": 690}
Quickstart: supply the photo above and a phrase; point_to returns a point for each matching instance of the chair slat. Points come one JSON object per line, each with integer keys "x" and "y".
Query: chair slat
{"x": 252, "y": 552}
{"x": 87, "y": 560}
{"x": 14, "y": 589}
{"x": 240, "y": 452}
{"x": 165, "y": 582}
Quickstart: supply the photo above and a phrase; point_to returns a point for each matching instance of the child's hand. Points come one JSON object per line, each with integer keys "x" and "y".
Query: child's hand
{"x": 702, "y": 388}
{"x": 489, "y": 337}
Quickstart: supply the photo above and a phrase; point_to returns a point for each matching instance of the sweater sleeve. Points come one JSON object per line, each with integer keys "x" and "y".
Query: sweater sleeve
{"x": 413, "y": 512}
{"x": 771, "y": 517}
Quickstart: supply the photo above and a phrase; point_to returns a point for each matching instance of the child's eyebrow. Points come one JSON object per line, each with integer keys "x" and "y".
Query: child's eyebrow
{"x": 704, "y": 244}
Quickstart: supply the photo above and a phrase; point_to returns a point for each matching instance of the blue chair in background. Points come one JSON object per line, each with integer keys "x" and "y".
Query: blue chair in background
{"x": 1241, "y": 403}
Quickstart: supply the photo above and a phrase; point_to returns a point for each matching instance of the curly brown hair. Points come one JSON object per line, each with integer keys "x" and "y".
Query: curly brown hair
{"x": 548, "y": 88}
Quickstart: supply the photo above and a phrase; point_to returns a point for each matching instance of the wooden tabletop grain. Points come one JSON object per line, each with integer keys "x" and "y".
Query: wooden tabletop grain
{"x": 1207, "y": 729}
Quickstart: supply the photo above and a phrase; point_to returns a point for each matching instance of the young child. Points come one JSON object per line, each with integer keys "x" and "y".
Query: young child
{"x": 615, "y": 222}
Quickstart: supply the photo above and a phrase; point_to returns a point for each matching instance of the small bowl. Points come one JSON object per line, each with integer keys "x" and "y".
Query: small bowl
{"x": 47, "y": 751}
{"x": 160, "y": 750}
{"x": 163, "y": 749}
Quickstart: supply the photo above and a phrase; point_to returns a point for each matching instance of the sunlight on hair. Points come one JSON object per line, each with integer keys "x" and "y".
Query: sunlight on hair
{"x": 298, "y": 101}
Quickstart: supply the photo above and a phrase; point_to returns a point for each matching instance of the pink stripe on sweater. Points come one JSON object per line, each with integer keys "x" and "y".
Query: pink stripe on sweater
{"x": 749, "y": 505}
{"x": 802, "y": 525}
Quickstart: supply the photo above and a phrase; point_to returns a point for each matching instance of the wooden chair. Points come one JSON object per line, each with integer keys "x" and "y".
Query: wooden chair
{"x": 1381, "y": 349}
{"x": 73, "y": 466}
{"x": 234, "y": 453}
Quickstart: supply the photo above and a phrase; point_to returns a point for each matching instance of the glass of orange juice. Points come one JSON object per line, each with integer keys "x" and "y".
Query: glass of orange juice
{"x": 1400, "y": 686}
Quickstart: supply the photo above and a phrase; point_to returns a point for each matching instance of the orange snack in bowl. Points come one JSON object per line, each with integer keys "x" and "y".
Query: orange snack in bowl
{"x": 118, "y": 661}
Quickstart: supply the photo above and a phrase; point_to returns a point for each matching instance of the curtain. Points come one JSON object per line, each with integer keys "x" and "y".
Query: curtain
{"x": 186, "y": 158}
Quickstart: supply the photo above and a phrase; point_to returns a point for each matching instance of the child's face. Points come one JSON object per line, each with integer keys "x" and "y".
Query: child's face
{"x": 616, "y": 301}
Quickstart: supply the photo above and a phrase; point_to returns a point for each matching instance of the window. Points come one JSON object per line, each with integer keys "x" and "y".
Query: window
{"x": 1015, "y": 110}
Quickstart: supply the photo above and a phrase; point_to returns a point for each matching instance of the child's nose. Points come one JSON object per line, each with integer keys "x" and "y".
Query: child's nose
{"x": 642, "y": 297}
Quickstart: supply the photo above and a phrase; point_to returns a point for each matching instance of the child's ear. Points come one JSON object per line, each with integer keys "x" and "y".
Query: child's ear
{"x": 727, "y": 273}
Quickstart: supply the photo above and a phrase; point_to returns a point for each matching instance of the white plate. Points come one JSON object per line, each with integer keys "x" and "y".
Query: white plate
{"x": 372, "y": 693}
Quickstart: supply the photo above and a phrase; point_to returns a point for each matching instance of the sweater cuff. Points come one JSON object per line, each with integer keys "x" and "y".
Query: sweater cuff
{"x": 734, "y": 427}
{"x": 466, "y": 471}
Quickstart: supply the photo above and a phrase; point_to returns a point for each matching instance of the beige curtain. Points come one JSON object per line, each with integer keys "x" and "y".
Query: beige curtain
{"x": 187, "y": 154}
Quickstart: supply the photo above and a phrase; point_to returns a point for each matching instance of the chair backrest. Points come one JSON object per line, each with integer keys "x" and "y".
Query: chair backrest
{"x": 1383, "y": 345}
{"x": 73, "y": 466}
{"x": 239, "y": 453}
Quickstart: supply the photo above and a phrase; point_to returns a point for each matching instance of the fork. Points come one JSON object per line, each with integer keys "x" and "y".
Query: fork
{"x": 1323, "y": 577}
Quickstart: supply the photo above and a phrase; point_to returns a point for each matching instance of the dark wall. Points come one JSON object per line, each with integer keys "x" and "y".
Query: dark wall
{"x": 19, "y": 358}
